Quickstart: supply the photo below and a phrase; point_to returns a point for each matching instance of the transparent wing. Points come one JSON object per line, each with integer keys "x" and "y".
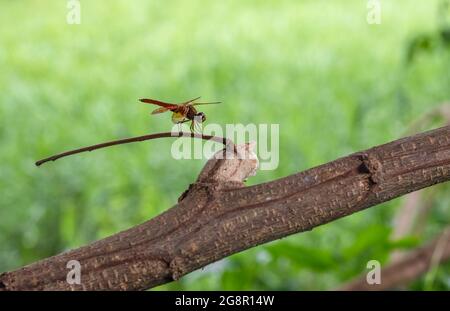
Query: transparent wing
{"x": 211, "y": 103}
{"x": 189, "y": 102}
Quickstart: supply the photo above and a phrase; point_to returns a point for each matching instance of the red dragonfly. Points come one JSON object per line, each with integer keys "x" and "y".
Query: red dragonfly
{"x": 182, "y": 112}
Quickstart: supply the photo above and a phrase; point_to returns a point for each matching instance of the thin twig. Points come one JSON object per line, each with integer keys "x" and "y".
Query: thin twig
{"x": 217, "y": 139}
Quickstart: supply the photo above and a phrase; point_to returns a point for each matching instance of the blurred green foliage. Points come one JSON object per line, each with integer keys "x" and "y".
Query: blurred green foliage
{"x": 334, "y": 83}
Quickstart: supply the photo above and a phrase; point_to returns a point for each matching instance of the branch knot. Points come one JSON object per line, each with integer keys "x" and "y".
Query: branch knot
{"x": 372, "y": 166}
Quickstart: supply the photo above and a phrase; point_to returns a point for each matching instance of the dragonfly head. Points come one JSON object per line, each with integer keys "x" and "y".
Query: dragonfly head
{"x": 201, "y": 115}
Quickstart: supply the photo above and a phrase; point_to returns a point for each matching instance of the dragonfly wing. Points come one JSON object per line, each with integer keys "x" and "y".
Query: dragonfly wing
{"x": 189, "y": 102}
{"x": 160, "y": 110}
{"x": 212, "y": 103}
{"x": 159, "y": 103}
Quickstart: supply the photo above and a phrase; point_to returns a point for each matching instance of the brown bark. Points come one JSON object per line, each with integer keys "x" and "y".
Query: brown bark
{"x": 409, "y": 267}
{"x": 217, "y": 216}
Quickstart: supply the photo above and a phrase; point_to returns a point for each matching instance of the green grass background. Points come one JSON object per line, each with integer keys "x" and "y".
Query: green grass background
{"x": 334, "y": 83}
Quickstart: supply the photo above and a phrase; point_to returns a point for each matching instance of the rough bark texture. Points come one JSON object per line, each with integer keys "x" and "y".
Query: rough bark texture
{"x": 409, "y": 267}
{"x": 217, "y": 216}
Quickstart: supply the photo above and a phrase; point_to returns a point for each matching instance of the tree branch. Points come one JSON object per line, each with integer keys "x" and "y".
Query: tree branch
{"x": 217, "y": 216}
